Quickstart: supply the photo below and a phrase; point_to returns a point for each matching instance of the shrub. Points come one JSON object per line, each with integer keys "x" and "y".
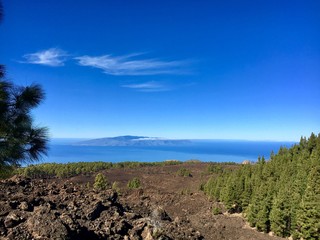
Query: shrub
{"x": 216, "y": 211}
{"x": 184, "y": 172}
{"x": 6, "y": 171}
{"x": 202, "y": 187}
{"x": 100, "y": 182}
{"x": 193, "y": 161}
{"x": 185, "y": 191}
{"x": 214, "y": 168}
{"x": 63, "y": 170}
{"x": 134, "y": 183}
{"x": 116, "y": 187}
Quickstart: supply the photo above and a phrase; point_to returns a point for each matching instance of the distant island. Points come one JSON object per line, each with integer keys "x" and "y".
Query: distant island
{"x": 132, "y": 141}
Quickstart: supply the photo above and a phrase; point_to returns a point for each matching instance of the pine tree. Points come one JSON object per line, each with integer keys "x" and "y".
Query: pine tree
{"x": 227, "y": 193}
{"x": 100, "y": 182}
{"x": 265, "y": 202}
{"x": 280, "y": 215}
{"x": 275, "y": 195}
{"x": 255, "y": 205}
{"x": 262, "y": 218}
{"x": 312, "y": 141}
{"x": 247, "y": 193}
{"x": 308, "y": 216}
{"x": 20, "y": 140}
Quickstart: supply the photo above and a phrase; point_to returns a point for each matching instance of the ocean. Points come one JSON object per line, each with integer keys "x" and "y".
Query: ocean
{"x": 62, "y": 151}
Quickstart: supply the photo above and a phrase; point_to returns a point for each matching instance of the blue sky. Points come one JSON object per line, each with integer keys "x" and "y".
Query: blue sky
{"x": 176, "y": 69}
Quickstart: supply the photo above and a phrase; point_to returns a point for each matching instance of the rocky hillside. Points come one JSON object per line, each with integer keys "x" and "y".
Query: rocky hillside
{"x": 168, "y": 205}
{"x": 38, "y": 210}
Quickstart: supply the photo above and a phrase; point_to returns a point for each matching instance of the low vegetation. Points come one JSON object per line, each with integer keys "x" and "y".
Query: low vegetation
{"x": 184, "y": 172}
{"x": 100, "y": 182}
{"x": 216, "y": 210}
{"x": 116, "y": 186}
{"x": 214, "y": 168}
{"x": 6, "y": 171}
{"x": 281, "y": 195}
{"x": 134, "y": 183}
{"x": 193, "y": 161}
{"x": 51, "y": 170}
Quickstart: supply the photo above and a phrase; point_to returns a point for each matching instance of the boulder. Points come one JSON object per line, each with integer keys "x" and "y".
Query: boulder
{"x": 147, "y": 233}
{"x": 4, "y": 208}
{"x": 122, "y": 227}
{"x": 46, "y": 226}
{"x": 24, "y": 206}
{"x": 160, "y": 214}
{"x": 94, "y": 211}
{"x": 13, "y": 219}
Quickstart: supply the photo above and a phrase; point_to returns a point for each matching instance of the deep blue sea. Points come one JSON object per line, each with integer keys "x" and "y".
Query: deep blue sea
{"x": 62, "y": 151}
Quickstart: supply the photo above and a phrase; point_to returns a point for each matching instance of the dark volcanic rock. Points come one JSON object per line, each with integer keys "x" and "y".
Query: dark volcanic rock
{"x": 160, "y": 214}
{"x": 43, "y": 210}
{"x": 13, "y": 219}
{"x": 25, "y": 206}
{"x": 46, "y": 226}
{"x": 95, "y": 210}
{"x": 4, "y": 208}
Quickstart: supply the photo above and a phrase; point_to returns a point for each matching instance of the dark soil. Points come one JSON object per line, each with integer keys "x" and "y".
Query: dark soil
{"x": 167, "y": 206}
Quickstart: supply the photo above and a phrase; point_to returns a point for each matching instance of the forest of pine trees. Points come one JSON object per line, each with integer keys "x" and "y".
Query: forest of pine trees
{"x": 65, "y": 170}
{"x": 281, "y": 195}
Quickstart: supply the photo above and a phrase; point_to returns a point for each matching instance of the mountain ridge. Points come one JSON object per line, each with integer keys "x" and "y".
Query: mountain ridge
{"x": 129, "y": 140}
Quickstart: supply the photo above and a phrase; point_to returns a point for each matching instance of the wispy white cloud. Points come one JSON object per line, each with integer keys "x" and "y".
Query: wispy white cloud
{"x": 126, "y": 65}
{"x": 53, "y": 57}
{"x": 151, "y": 86}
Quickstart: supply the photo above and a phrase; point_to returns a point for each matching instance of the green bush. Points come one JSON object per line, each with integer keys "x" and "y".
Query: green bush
{"x": 202, "y": 187}
{"x": 134, "y": 183}
{"x": 216, "y": 211}
{"x": 65, "y": 170}
{"x": 100, "y": 182}
{"x": 193, "y": 161}
{"x": 214, "y": 168}
{"x": 184, "y": 172}
{"x": 116, "y": 187}
{"x": 6, "y": 171}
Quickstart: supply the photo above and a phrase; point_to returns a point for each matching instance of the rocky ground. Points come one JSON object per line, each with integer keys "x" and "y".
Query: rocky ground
{"x": 167, "y": 206}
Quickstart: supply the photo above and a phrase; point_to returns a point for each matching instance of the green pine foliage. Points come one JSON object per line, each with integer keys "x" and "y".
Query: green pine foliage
{"x": 280, "y": 215}
{"x": 6, "y": 171}
{"x": 308, "y": 217}
{"x": 214, "y": 168}
{"x": 21, "y": 140}
{"x": 65, "y": 170}
{"x": 281, "y": 194}
{"x": 184, "y": 172}
{"x": 134, "y": 183}
{"x": 100, "y": 182}
{"x": 116, "y": 186}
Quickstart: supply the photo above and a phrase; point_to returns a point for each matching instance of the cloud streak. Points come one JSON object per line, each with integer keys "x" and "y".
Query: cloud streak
{"x": 127, "y": 65}
{"x": 151, "y": 86}
{"x": 53, "y": 57}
